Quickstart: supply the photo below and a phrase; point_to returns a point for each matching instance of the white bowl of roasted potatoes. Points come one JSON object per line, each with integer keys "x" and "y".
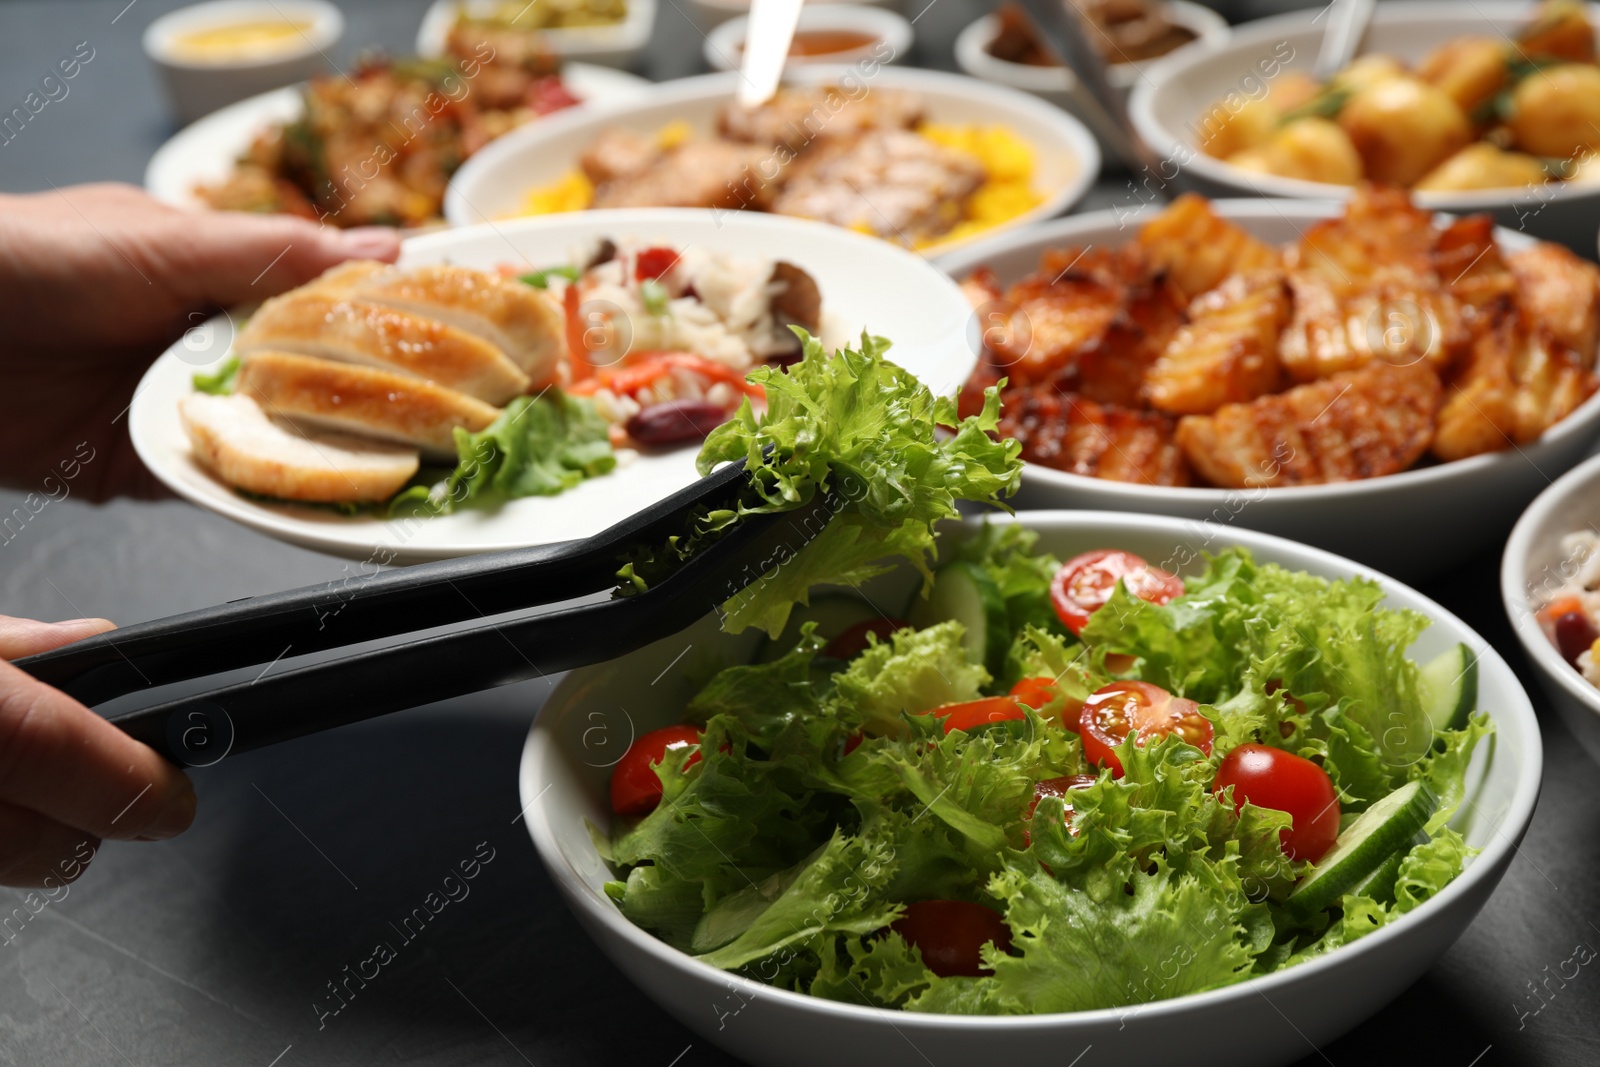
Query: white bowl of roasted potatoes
{"x": 1483, "y": 105}
{"x": 1387, "y": 383}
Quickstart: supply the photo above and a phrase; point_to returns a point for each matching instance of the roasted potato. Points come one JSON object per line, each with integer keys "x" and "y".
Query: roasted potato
{"x": 1228, "y": 351}
{"x": 1483, "y": 166}
{"x": 1311, "y": 149}
{"x": 1359, "y": 424}
{"x": 1559, "y": 29}
{"x": 1555, "y": 112}
{"x": 1072, "y": 433}
{"x": 1367, "y": 70}
{"x": 1403, "y": 128}
{"x": 1236, "y": 123}
{"x": 1469, "y": 70}
{"x": 1197, "y": 249}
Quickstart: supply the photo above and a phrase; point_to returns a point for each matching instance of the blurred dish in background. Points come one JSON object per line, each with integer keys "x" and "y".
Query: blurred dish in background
{"x": 826, "y": 33}
{"x": 920, "y": 158}
{"x": 709, "y": 14}
{"x": 1003, "y": 48}
{"x": 214, "y": 54}
{"x": 1477, "y": 112}
{"x": 608, "y": 32}
{"x": 378, "y": 145}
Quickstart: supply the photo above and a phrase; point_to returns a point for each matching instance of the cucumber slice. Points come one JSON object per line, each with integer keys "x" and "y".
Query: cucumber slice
{"x": 965, "y": 592}
{"x": 1378, "y": 833}
{"x": 1379, "y": 885}
{"x": 1449, "y": 688}
{"x": 833, "y": 613}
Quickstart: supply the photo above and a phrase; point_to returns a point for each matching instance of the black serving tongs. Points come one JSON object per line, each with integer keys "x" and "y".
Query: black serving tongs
{"x": 284, "y": 703}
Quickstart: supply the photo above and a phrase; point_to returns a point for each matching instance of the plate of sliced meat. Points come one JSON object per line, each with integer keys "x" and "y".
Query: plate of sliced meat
{"x": 924, "y": 159}
{"x": 1372, "y": 378}
{"x": 519, "y": 384}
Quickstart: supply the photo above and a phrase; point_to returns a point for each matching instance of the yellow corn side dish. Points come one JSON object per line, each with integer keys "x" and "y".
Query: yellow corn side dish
{"x": 1006, "y": 192}
{"x": 572, "y": 192}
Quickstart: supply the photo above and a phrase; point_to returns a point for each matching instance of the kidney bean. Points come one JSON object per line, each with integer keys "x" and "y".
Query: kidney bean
{"x": 1574, "y": 634}
{"x": 675, "y": 421}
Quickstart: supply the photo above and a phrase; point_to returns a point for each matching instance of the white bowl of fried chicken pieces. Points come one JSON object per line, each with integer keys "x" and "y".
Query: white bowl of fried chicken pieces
{"x": 1388, "y": 384}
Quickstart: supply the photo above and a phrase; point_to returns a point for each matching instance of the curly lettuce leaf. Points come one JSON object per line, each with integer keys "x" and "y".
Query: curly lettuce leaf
{"x": 912, "y": 672}
{"x": 864, "y": 432}
{"x": 539, "y": 446}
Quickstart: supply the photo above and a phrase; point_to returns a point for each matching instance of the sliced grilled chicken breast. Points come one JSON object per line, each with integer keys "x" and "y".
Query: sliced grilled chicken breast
{"x": 521, "y": 321}
{"x": 324, "y": 322}
{"x": 361, "y": 400}
{"x": 235, "y": 440}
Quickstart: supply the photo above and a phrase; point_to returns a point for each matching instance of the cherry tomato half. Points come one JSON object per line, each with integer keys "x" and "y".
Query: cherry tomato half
{"x": 1272, "y": 778}
{"x": 851, "y": 643}
{"x": 975, "y": 714}
{"x": 635, "y": 786}
{"x": 1084, "y": 584}
{"x": 653, "y": 262}
{"x": 1141, "y": 710}
{"x": 950, "y": 935}
{"x": 1056, "y": 787}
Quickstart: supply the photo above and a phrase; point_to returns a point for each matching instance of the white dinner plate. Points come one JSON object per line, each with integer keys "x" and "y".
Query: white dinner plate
{"x": 865, "y": 283}
{"x": 205, "y": 151}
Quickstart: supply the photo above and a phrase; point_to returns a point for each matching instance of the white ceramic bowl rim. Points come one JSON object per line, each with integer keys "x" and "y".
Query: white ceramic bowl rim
{"x": 1519, "y": 717}
{"x": 1514, "y": 578}
{"x": 963, "y": 260}
{"x": 1457, "y": 19}
{"x": 327, "y": 25}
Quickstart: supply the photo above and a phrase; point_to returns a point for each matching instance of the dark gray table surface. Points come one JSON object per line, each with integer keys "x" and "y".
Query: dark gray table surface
{"x": 215, "y": 948}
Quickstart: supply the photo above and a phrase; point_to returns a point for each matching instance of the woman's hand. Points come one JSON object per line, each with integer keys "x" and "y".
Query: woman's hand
{"x": 67, "y": 777}
{"x": 95, "y": 280}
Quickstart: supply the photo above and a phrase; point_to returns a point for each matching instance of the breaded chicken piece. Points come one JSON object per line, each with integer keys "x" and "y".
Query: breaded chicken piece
{"x": 1072, "y": 433}
{"x": 1112, "y": 368}
{"x": 1471, "y": 266}
{"x": 1519, "y": 383}
{"x": 619, "y": 153}
{"x": 1198, "y": 248}
{"x": 1366, "y": 284}
{"x": 1227, "y": 353}
{"x": 1358, "y": 424}
{"x": 233, "y": 438}
{"x": 1055, "y": 316}
{"x": 981, "y": 287}
{"x": 1561, "y": 294}
{"x": 360, "y": 400}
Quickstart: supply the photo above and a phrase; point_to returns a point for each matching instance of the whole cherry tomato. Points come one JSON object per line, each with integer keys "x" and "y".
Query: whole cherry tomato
{"x": 635, "y": 786}
{"x": 950, "y": 935}
{"x": 1272, "y": 778}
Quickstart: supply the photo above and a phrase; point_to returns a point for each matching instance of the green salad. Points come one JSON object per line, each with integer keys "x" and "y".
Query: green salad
{"x": 1040, "y": 785}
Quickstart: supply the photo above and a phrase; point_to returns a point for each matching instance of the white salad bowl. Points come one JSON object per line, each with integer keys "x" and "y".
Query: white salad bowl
{"x": 1532, "y": 571}
{"x": 494, "y": 183}
{"x": 1411, "y": 524}
{"x": 1060, "y": 86}
{"x": 1171, "y": 99}
{"x": 865, "y": 284}
{"x": 591, "y": 718}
